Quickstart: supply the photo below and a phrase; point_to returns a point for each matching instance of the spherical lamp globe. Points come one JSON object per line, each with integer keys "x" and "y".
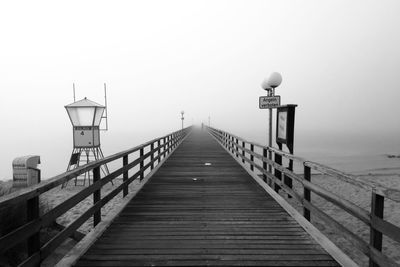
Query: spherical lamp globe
{"x": 275, "y": 79}
{"x": 265, "y": 85}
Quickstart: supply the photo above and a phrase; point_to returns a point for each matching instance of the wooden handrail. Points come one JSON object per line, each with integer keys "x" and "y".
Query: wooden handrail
{"x": 55, "y": 181}
{"x": 158, "y": 149}
{"x": 374, "y": 219}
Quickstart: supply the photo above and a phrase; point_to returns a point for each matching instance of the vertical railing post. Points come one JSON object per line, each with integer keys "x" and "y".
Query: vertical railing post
{"x": 278, "y": 173}
{"x": 152, "y": 156}
{"x": 375, "y": 239}
{"x": 224, "y": 138}
{"x": 159, "y": 150}
{"x": 32, "y": 209}
{"x": 265, "y": 155}
{"x": 307, "y": 192}
{"x": 252, "y": 157}
{"x": 33, "y": 213}
{"x": 96, "y": 196}
{"x": 237, "y": 147}
{"x": 243, "y": 153}
{"x": 175, "y": 140}
{"x": 125, "y": 175}
{"x": 164, "y": 145}
{"x": 141, "y": 153}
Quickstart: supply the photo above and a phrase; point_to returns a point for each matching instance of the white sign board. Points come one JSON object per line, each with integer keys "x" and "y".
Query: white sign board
{"x": 269, "y": 101}
{"x": 282, "y": 124}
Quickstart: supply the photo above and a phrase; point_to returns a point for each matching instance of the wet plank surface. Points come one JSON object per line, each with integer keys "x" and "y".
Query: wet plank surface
{"x": 202, "y": 208}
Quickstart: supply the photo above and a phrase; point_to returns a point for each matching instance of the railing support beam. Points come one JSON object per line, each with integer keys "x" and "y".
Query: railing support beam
{"x": 243, "y": 153}
{"x": 125, "y": 175}
{"x": 141, "y": 153}
{"x": 252, "y": 157}
{"x": 377, "y": 206}
{"x": 32, "y": 214}
{"x": 265, "y": 154}
{"x": 96, "y": 196}
{"x": 307, "y": 193}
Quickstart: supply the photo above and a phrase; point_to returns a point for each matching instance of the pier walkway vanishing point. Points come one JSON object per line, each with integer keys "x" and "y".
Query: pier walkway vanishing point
{"x": 202, "y": 208}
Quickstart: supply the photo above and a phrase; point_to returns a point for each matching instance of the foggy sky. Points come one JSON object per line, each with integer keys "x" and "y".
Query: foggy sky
{"x": 340, "y": 63}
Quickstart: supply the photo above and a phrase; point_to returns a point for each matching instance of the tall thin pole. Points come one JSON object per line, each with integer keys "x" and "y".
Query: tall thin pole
{"x": 209, "y": 123}
{"x": 105, "y": 104}
{"x": 271, "y": 93}
{"x": 73, "y": 88}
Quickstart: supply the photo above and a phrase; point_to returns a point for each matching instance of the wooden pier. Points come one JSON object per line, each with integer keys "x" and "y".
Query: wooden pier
{"x": 203, "y": 208}
{"x": 206, "y": 197}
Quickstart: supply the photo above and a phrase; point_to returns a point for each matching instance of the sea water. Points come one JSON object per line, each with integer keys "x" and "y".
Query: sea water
{"x": 356, "y": 154}
{"x": 351, "y": 153}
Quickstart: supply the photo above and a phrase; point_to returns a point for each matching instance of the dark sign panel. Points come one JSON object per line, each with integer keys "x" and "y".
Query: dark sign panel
{"x": 285, "y": 125}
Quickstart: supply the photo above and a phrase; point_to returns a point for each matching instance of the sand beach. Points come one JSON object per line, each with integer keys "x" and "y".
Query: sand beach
{"x": 361, "y": 198}
{"x": 387, "y": 177}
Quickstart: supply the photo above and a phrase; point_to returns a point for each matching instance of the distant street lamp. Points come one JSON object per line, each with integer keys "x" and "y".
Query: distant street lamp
{"x": 269, "y": 85}
{"x": 182, "y": 118}
{"x": 209, "y": 121}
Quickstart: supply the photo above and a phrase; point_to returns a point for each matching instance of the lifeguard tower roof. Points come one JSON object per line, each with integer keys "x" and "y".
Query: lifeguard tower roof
{"x": 85, "y": 103}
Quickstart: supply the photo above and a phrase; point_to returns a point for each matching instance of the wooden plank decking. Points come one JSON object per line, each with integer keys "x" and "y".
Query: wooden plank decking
{"x": 193, "y": 213}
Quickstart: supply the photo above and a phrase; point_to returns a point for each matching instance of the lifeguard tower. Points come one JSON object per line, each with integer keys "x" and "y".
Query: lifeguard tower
{"x": 85, "y": 116}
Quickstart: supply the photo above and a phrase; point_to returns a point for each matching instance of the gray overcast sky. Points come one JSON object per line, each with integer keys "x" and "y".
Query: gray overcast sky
{"x": 340, "y": 63}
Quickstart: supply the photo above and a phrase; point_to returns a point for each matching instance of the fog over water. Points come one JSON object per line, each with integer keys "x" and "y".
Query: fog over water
{"x": 339, "y": 60}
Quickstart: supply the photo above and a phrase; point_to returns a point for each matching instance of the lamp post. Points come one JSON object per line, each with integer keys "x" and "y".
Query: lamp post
{"x": 269, "y": 85}
{"x": 182, "y": 118}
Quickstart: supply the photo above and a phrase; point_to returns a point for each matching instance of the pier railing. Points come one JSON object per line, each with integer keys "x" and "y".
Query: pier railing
{"x": 255, "y": 156}
{"x": 151, "y": 152}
